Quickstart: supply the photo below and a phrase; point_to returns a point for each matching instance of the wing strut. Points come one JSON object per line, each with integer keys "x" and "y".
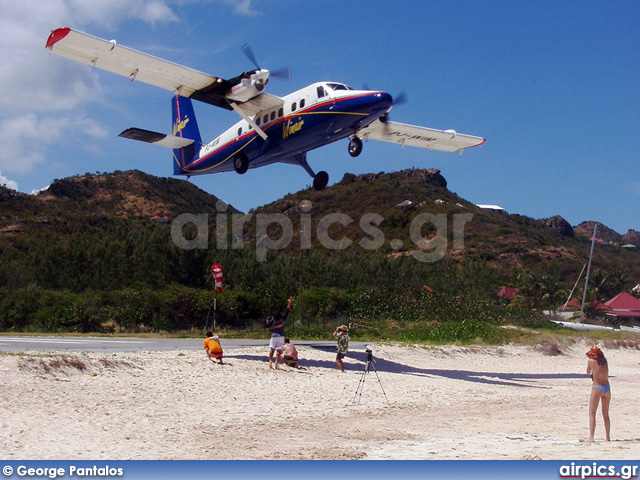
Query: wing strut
{"x": 249, "y": 120}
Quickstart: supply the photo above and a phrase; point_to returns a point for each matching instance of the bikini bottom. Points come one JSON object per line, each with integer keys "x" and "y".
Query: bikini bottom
{"x": 603, "y": 388}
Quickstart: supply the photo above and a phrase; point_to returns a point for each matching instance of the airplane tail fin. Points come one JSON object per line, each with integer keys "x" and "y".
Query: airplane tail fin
{"x": 184, "y": 126}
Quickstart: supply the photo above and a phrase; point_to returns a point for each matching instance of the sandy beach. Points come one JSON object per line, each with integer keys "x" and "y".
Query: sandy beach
{"x": 509, "y": 402}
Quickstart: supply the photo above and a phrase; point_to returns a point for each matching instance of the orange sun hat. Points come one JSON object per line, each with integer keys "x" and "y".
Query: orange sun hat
{"x": 595, "y": 352}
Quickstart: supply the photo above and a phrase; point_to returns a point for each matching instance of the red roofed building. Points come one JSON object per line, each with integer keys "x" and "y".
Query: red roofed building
{"x": 575, "y": 305}
{"x": 625, "y": 306}
{"x": 508, "y": 292}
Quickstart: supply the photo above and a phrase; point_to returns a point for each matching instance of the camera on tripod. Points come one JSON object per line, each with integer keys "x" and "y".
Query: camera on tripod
{"x": 369, "y": 365}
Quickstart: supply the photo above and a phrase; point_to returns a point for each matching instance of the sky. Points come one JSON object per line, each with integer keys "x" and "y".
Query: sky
{"x": 552, "y": 86}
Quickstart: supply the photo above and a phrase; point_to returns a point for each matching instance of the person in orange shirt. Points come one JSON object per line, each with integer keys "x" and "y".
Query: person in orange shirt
{"x": 212, "y": 347}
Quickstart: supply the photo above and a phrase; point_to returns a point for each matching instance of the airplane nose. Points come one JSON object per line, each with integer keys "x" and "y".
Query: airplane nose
{"x": 384, "y": 99}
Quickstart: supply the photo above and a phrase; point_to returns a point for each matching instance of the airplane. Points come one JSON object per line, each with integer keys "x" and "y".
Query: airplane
{"x": 272, "y": 129}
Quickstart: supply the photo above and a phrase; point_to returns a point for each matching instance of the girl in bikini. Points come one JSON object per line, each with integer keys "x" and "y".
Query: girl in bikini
{"x": 598, "y": 368}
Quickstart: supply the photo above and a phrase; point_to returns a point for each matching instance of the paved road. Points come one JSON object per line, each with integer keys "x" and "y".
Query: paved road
{"x": 135, "y": 344}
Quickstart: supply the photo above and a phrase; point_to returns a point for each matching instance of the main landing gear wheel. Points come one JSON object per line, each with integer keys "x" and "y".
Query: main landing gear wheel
{"x": 321, "y": 180}
{"x": 240, "y": 164}
{"x": 355, "y": 146}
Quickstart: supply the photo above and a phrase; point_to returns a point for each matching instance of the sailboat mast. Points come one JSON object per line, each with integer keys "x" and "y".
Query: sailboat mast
{"x": 586, "y": 282}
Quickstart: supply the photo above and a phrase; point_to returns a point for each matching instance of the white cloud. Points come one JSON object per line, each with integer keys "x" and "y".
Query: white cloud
{"x": 44, "y": 96}
{"x": 31, "y": 81}
{"x": 108, "y": 13}
{"x": 41, "y": 90}
{"x": 27, "y": 138}
{"x": 36, "y": 191}
{"x": 243, "y": 7}
{"x": 5, "y": 182}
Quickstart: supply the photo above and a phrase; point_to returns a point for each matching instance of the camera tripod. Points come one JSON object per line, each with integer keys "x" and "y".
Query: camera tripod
{"x": 370, "y": 364}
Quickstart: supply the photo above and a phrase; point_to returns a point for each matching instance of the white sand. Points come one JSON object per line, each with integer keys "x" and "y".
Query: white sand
{"x": 445, "y": 403}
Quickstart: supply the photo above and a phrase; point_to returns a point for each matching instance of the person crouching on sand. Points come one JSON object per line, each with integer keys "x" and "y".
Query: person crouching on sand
{"x": 290, "y": 354}
{"x": 598, "y": 368}
{"x": 212, "y": 347}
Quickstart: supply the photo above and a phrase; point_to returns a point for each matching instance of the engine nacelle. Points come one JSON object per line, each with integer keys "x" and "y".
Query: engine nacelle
{"x": 250, "y": 85}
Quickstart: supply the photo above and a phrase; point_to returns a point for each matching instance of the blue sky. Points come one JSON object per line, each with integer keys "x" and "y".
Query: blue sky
{"x": 552, "y": 86}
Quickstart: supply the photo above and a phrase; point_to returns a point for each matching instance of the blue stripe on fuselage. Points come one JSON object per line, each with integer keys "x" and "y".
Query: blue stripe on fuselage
{"x": 301, "y": 131}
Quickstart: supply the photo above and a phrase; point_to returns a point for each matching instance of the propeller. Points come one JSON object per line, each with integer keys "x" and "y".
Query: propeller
{"x": 284, "y": 73}
{"x": 397, "y": 100}
{"x": 246, "y": 49}
{"x": 400, "y": 98}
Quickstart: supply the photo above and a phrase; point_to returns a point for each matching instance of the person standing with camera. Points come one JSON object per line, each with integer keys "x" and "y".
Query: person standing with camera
{"x": 342, "y": 336}
{"x": 276, "y": 324}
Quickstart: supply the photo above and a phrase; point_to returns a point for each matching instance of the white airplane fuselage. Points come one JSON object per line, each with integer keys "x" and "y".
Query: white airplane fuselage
{"x": 314, "y": 116}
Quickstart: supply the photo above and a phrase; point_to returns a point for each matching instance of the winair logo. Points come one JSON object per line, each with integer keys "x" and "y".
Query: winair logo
{"x": 290, "y": 128}
{"x": 178, "y": 126}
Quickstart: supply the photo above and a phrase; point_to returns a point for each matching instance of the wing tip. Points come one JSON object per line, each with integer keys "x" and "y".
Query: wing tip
{"x": 484, "y": 140}
{"x": 57, "y": 35}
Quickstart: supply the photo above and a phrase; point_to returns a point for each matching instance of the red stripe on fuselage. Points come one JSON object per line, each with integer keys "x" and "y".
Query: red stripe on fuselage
{"x": 277, "y": 122}
{"x": 178, "y": 117}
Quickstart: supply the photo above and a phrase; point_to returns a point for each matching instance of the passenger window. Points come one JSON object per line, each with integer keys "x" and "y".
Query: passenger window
{"x": 240, "y": 131}
{"x": 273, "y": 115}
{"x": 302, "y": 103}
{"x": 294, "y": 106}
{"x": 265, "y": 119}
{"x": 280, "y": 112}
{"x": 258, "y": 121}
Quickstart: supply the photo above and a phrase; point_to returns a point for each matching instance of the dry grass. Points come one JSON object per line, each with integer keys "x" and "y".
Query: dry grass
{"x": 621, "y": 343}
{"x": 54, "y": 365}
{"x": 549, "y": 348}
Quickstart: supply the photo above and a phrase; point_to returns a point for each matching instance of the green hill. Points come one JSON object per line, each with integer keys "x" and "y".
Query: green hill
{"x": 419, "y": 198}
{"x": 93, "y": 253}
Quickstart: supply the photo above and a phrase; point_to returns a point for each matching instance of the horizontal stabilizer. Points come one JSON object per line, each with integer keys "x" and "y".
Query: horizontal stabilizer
{"x": 161, "y": 139}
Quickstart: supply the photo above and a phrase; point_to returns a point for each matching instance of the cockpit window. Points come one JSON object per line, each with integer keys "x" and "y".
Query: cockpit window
{"x": 338, "y": 86}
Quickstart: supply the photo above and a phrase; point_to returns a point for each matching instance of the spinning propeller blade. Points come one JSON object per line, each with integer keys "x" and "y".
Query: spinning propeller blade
{"x": 284, "y": 73}
{"x": 249, "y": 53}
{"x": 397, "y": 100}
{"x": 400, "y": 98}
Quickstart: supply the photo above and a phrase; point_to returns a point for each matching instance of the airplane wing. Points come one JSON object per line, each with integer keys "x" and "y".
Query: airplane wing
{"x": 169, "y": 141}
{"x": 261, "y": 103}
{"x": 403, "y": 134}
{"x": 108, "y": 55}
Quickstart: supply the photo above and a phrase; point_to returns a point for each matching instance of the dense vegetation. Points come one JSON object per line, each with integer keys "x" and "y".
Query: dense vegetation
{"x": 85, "y": 257}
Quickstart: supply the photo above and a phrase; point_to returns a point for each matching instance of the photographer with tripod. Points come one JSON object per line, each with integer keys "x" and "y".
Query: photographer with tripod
{"x": 342, "y": 336}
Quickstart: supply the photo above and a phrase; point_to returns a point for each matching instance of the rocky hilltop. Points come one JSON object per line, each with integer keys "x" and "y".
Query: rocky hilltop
{"x": 85, "y": 208}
